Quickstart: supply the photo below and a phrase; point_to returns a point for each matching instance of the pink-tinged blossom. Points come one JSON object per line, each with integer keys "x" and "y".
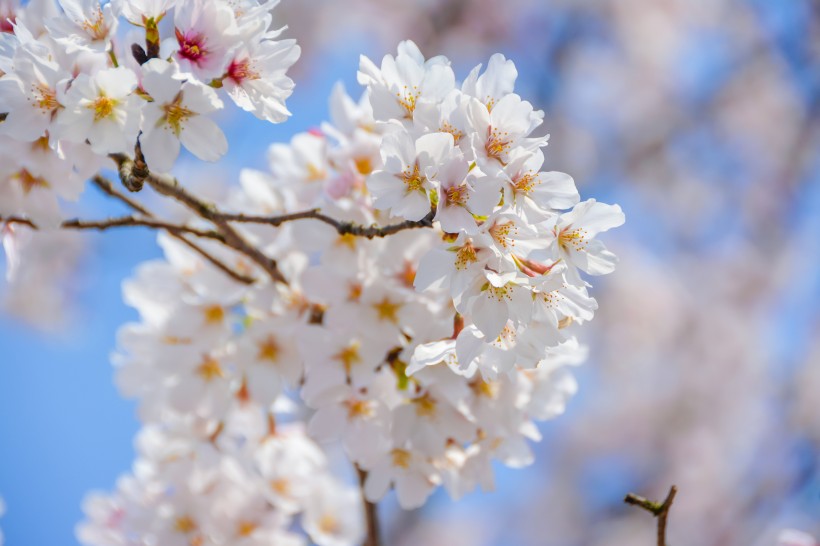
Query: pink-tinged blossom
{"x": 256, "y": 77}
{"x": 8, "y": 15}
{"x": 206, "y": 34}
{"x": 177, "y": 116}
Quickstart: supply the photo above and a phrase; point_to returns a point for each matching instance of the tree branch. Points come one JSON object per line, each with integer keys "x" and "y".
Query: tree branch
{"x": 659, "y": 510}
{"x": 343, "y": 228}
{"x": 108, "y": 188}
{"x": 122, "y": 221}
{"x": 133, "y": 175}
{"x": 371, "y": 514}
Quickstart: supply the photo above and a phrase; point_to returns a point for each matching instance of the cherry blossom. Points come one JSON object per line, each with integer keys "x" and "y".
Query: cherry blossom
{"x": 417, "y": 304}
{"x": 177, "y": 116}
{"x": 410, "y": 167}
{"x": 103, "y": 109}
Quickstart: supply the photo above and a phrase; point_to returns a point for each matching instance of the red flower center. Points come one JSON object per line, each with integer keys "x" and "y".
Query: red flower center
{"x": 242, "y": 70}
{"x": 7, "y": 21}
{"x": 191, "y": 46}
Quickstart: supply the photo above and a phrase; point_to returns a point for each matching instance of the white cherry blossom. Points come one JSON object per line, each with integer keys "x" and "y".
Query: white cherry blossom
{"x": 30, "y": 93}
{"x": 410, "y": 166}
{"x": 87, "y": 25}
{"x": 177, "y": 116}
{"x": 572, "y": 238}
{"x": 403, "y": 81}
{"x": 103, "y": 109}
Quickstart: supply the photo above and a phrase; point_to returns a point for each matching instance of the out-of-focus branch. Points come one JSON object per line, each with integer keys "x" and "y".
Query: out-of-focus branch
{"x": 108, "y": 188}
{"x": 343, "y": 228}
{"x": 371, "y": 514}
{"x": 3, "y": 116}
{"x": 133, "y": 175}
{"x": 658, "y": 509}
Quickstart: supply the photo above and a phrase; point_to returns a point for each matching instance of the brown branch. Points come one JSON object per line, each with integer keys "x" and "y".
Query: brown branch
{"x": 122, "y": 221}
{"x": 659, "y": 510}
{"x": 132, "y": 175}
{"x": 343, "y": 228}
{"x": 108, "y": 188}
{"x": 3, "y": 116}
{"x": 371, "y": 514}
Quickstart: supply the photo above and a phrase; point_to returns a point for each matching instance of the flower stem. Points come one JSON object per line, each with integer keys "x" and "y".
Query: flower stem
{"x": 371, "y": 513}
{"x": 658, "y": 509}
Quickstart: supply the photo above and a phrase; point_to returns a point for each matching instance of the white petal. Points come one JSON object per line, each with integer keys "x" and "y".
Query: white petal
{"x": 158, "y": 80}
{"x": 489, "y": 315}
{"x": 160, "y": 148}
{"x": 327, "y": 424}
{"x": 378, "y": 480}
{"x": 433, "y": 148}
{"x": 203, "y": 138}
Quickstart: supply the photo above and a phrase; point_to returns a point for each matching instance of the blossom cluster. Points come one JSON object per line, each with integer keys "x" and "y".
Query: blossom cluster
{"x": 423, "y": 318}
{"x": 76, "y": 85}
{"x": 245, "y": 489}
{"x": 428, "y": 353}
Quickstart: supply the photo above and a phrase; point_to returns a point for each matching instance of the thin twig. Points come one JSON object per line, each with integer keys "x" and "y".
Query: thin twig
{"x": 122, "y": 221}
{"x": 132, "y": 175}
{"x": 371, "y": 514}
{"x": 343, "y": 228}
{"x": 108, "y": 188}
{"x": 658, "y": 509}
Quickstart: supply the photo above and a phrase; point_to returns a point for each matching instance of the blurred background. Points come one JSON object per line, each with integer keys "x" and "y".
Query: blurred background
{"x": 700, "y": 117}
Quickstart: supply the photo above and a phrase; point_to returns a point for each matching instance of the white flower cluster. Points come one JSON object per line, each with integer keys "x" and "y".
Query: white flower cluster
{"x": 428, "y": 353}
{"x": 73, "y": 90}
{"x": 243, "y": 489}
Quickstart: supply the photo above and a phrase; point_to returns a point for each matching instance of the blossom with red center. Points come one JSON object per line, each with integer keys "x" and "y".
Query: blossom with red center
{"x": 256, "y": 78}
{"x": 7, "y": 18}
{"x": 192, "y": 46}
{"x": 207, "y": 34}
